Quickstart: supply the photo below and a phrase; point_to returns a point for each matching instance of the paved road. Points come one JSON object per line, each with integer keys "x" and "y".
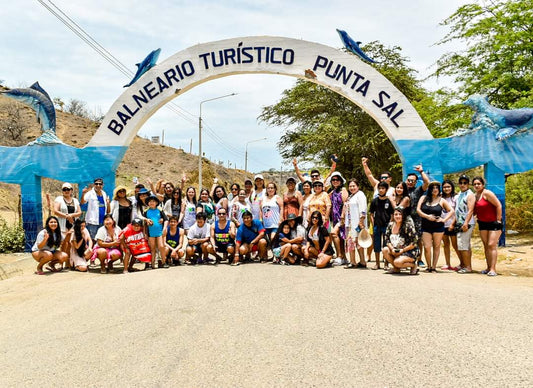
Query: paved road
{"x": 261, "y": 325}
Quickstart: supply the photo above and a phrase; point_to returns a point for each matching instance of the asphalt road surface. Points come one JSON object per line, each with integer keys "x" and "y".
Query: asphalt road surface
{"x": 262, "y": 325}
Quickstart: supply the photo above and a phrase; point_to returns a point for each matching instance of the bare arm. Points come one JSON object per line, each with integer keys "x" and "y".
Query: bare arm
{"x": 297, "y": 170}
{"x": 373, "y": 181}
{"x": 491, "y": 197}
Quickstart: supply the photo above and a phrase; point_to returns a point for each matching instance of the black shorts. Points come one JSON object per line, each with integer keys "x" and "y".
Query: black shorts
{"x": 449, "y": 232}
{"x": 490, "y": 225}
{"x": 222, "y": 248}
{"x": 197, "y": 248}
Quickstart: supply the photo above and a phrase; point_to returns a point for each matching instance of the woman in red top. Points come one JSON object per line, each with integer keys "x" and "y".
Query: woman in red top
{"x": 488, "y": 211}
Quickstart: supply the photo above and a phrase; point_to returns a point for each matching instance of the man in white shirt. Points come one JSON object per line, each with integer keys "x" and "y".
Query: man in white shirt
{"x": 98, "y": 205}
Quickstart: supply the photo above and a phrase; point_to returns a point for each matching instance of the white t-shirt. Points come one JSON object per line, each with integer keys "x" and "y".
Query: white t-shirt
{"x": 196, "y": 232}
{"x": 102, "y": 234}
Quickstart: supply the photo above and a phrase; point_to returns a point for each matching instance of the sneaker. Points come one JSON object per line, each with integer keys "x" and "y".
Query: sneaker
{"x": 421, "y": 263}
{"x": 283, "y": 262}
{"x": 337, "y": 261}
{"x": 446, "y": 268}
{"x": 464, "y": 270}
{"x": 485, "y": 272}
{"x": 492, "y": 273}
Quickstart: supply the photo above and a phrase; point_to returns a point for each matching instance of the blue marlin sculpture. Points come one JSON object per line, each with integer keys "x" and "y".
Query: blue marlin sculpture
{"x": 506, "y": 122}
{"x": 353, "y": 46}
{"x": 37, "y": 98}
{"x": 145, "y": 65}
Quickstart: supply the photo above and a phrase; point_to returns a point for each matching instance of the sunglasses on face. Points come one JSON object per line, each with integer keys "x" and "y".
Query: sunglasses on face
{"x": 411, "y": 180}
{"x": 98, "y": 184}
{"x": 314, "y": 218}
{"x": 221, "y": 214}
{"x": 66, "y": 189}
{"x": 335, "y": 180}
{"x": 314, "y": 175}
{"x": 463, "y": 183}
{"x": 383, "y": 177}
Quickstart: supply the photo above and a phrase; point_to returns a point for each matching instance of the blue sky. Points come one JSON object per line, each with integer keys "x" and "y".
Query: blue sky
{"x": 36, "y": 46}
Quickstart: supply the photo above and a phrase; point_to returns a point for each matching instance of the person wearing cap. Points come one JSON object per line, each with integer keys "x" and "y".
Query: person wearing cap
{"x": 66, "y": 208}
{"x": 257, "y": 195}
{"x": 320, "y": 202}
{"x": 292, "y": 199}
{"x": 135, "y": 245}
{"x": 140, "y": 202}
{"x": 97, "y": 206}
{"x": 122, "y": 208}
{"x": 250, "y": 238}
{"x": 464, "y": 223}
{"x": 156, "y": 221}
{"x": 338, "y": 196}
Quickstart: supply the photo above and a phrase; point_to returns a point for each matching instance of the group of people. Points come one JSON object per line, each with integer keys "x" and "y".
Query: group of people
{"x": 317, "y": 222}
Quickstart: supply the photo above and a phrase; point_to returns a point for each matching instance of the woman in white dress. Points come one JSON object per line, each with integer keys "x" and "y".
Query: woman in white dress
{"x": 354, "y": 220}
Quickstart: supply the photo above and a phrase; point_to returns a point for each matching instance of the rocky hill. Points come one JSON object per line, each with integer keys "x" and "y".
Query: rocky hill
{"x": 143, "y": 159}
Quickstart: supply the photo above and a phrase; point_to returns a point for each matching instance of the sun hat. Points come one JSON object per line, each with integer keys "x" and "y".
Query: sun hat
{"x": 294, "y": 217}
{"x": 365, "y": 239}
{"x": 336, "y": 173}
{"x": 258, "y": 176}
{"x": 67, "y": 185}
{"x": 143, "y": 191}
{"x": 117, "y": 189}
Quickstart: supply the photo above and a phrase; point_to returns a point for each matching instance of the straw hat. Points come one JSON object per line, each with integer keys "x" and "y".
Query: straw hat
{"x": 365, "y": 239}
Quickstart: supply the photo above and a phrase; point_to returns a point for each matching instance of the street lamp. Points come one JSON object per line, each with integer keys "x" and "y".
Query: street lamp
{"x": 200, "y": 137}
{"x": 246, "y": 152}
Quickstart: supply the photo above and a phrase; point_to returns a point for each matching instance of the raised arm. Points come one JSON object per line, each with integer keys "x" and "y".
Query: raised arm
{"x": 297, "y": 170}
{"x": 373, "y": 181}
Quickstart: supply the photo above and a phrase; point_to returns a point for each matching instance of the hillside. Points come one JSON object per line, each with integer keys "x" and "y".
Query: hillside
{"x": 143, "y": 159}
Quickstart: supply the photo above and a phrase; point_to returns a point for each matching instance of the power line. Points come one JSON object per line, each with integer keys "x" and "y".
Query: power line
{"x": 110, "y": 58}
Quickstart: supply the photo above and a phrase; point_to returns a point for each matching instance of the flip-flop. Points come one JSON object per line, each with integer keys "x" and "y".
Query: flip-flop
{"x": 414, "y": 273}
{"x": 52, "y": 269}
{"x": 39, "y": 273}
{"x": 234, "y": 264}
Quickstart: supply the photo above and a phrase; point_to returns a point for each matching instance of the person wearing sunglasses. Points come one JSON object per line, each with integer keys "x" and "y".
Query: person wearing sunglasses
{"x": 66, "y": 208}
{"x": 315, "y": 174}
{"x": 98, "y": 206}
{"x": 222, "y": 237}
{"x": 464, "y": 224}
{"x": 415, "y": 193}
{"x": 385, "y": 176}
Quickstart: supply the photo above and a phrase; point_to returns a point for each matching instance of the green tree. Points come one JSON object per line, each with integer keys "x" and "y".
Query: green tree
{"x": 319, "y": 122}
{"x": 498, "y": 56}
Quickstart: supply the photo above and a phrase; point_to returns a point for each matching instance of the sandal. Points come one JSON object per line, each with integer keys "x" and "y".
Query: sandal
{"x": 415, "y": 272}
{"x": 392, "y": 271}
{"x": 464, "y": 270}
{"x": 485, "y": 272}
{"x": 375, "y": 267}
{"x": 51, "y": 268}
{"x": 359, "y": 265}
{"x": 235, "y": 263}
{"x": 350, "y": 265}
{"x": 39, "y": 272}
{"x": 492, "y": 273}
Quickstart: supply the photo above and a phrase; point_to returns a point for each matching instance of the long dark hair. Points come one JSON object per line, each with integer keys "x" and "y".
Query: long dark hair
{"x": 79, "y": 236}
{"x": 275, "y": 240}
{"x": 449, "y": 182}
{"x": 403, "y": 225}
{"x": 174, "y": 201}
{"x": 215, "y": 198}
{"x": 405, "y": 192}
{"x": 429, "y": 192}
{"x": 317, "y": 214}
{"x": 193, "y": 198}
{"x": 54, "y": 237}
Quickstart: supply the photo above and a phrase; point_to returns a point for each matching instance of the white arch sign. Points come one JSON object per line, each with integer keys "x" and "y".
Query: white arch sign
{"x": 338, "y": 70}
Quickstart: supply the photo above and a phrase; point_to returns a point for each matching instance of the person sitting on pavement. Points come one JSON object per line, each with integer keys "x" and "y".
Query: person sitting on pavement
{"x": 298, "y": 240}
{"x": 250, "y": 238}
{"x": 401, "y": 249}
{"x": 198, "y": 240}
{"x": 222, "y": 236}
{"x": 282, "y": 245}
{"x": 108, "y": 246}
{"x": 173, "y": 237}
{"x": 135, "y": 245}
{"x": 81, "y": 246}
{"x": 319, "y": 242}
{"x": 46, "y": 248}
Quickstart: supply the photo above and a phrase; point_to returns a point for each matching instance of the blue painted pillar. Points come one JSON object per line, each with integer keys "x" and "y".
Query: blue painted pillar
{"x": 495, "y": 182}
{"x": 32, "y": 210}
